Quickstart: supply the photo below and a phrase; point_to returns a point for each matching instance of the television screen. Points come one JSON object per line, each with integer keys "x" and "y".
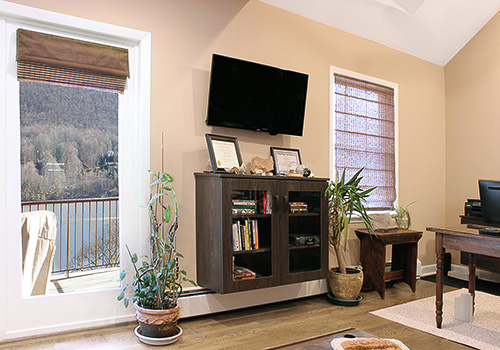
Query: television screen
{"x": 248, "y": 95}
{"x": 489, "y": 192}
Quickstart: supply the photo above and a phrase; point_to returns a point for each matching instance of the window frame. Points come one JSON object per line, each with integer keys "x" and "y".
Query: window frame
{"x": 56, "y": 313}
{"x": 332, "y": 137}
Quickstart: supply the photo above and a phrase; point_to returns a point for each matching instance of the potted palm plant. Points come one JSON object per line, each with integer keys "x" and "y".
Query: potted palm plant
{"x": 345, "y": 199}
{"x": 157, "y": 279}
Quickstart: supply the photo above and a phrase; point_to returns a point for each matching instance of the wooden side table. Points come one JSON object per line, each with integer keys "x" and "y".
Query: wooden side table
{"x": 404, "y": 257}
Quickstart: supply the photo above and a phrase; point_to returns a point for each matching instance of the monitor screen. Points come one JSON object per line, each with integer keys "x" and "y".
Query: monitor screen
{"x": 254, "y": 96}
{"x": 489, "y": 192}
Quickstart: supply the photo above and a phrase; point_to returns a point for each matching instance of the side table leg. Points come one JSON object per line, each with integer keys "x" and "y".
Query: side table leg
{"x": 439, "y": 279}
{"x": 472, "y": 279}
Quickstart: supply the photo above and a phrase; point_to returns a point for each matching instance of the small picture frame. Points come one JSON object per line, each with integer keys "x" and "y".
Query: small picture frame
{"x": 286, "y": 160}
{"x": 224, "y": 152}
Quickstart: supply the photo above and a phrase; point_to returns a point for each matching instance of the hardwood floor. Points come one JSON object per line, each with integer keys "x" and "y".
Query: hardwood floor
{"x": 263, "y": 326}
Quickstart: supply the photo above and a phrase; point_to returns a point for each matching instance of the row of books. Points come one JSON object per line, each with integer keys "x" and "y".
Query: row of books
{"x": 245, "y": 235}
{"x": 298, "y": 207}
{"x": 244, "y": 206}
{"x": 260, "y": 202}
{"x": 242, "y": 273}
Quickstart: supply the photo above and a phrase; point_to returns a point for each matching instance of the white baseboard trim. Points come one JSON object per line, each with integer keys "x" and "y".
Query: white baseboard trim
{"x": 462, "y": 272}
{"x": 61, "y": 328}
{"x": 194, "y": 305}
{"x": 207, "y": 303}
{"x": 428, "y": 270}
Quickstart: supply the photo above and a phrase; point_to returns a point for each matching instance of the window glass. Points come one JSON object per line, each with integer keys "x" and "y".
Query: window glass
{"x": 69, "y": 188}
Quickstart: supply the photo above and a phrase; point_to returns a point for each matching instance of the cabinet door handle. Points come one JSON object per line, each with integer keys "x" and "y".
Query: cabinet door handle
{"x": 276, "y": 203}
{"x": 285, "y": 204}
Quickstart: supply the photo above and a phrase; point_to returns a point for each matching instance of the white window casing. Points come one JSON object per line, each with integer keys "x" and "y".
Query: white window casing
{"x": 43, "y": 314}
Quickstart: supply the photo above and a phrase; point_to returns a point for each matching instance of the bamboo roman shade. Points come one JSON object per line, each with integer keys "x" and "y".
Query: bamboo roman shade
{"x": 53, "y": 59}
{"x": 364, "y": 136}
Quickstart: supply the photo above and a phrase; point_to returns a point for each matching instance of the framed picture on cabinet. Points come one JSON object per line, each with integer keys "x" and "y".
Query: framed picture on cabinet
{"x": 286, "y": 160}
{"x": 224, "y": 152}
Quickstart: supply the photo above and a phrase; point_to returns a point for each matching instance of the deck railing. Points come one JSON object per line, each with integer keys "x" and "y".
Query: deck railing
{"x": 87, "y": 233}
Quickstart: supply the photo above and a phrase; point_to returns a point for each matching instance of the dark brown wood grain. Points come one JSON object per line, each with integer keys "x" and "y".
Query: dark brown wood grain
{"x": 277, "y": 262}
{"x": 465, "y": 239}
{"x": 373, "y": 258}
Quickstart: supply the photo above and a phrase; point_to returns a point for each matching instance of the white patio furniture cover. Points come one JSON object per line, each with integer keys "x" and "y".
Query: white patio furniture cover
{"x": 38, "y": 230}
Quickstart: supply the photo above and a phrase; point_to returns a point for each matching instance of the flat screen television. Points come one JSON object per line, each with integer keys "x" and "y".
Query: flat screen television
{"x": 254, "y": 96}
{"x": 489, "y": 193}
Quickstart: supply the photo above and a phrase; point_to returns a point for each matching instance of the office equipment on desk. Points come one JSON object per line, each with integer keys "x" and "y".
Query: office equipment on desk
{"x": 478, "y": 213}
{"x": 473, "y": 208}
{"x": 489, "y": 192}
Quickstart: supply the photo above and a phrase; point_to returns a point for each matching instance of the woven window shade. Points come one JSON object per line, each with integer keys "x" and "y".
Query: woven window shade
{"x": 364, "y": 132}
{"x": 53, "y": 59}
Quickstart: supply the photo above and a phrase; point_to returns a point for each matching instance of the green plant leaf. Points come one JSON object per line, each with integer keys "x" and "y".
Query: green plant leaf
{"x": 120, "y": 296}
{"x": 166, "y": 177}
{"x": 122, "y": 275}
{"x": 126, "y": 301}
{"x": 134, "y": 258}
{"x": 168, "y": 213}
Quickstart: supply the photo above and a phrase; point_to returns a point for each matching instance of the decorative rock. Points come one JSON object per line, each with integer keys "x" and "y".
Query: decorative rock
{"x": 262, "y": 165}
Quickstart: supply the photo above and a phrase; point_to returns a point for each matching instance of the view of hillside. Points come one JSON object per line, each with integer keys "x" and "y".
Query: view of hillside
{"x": 69, "y": 142}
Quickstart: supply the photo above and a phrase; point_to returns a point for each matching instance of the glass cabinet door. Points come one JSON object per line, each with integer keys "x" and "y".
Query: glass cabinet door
{"x": 253, "y": 241}
{"x": 303, "y": 227}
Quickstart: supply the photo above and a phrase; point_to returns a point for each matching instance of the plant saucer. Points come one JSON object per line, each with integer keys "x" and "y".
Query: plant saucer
{"x": 344, "y": 302}
{"x": 158, "y": 341}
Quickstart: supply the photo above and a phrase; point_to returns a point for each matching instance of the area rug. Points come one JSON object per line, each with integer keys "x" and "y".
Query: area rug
{"x": 482, "y": 333}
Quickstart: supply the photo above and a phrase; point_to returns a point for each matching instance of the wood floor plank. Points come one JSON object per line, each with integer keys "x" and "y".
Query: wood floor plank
{"x": 262, "y": 326}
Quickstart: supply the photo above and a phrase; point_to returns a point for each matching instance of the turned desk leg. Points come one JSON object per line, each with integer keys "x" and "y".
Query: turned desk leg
{"x": 439, "y": 279}
{"x": 472, "y": 279}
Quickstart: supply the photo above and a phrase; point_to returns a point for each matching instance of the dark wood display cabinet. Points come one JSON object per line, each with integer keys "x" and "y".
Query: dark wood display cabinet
{"x": 259, "y": 231}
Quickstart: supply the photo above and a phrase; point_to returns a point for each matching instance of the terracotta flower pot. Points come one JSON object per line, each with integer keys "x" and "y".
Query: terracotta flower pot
{"x": 345, "y": 286}
{"x": 157, "y": 323}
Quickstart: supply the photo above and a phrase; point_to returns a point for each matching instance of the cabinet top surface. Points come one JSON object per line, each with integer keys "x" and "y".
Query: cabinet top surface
{"x": 261, "y": 177}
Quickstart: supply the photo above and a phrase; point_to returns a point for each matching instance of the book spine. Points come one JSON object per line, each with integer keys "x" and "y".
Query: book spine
{"x": 242, "y": 236}
{"x": 247, "y": 236}
{"x": 235, "y": 237}
{"x": 256, "y": 233}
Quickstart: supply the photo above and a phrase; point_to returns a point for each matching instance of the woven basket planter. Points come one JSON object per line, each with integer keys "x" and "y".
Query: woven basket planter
{"x": 345, "y": 286}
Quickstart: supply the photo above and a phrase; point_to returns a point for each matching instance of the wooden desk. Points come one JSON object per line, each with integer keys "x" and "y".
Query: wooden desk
{"x": 483, "y": 262}
{"x": 404, "y": 257}
{"x": 464, "y": 239}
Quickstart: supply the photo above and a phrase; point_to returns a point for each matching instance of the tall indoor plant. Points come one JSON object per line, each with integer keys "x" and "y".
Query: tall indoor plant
{"x": 157, "y": 282}
{"x": 345, "y": 199}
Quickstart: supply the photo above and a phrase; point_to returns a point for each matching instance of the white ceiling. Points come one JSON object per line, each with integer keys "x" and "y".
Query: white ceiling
{"x": 433, "y": 30}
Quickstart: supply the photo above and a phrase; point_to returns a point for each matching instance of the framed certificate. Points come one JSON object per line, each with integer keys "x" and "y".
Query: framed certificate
{"x": 224, "y": 152}
{"x": 286, "y": 160}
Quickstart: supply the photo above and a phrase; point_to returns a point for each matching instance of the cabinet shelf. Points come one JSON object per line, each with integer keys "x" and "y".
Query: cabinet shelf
{"x": 303, "y": 214}
{"x": 293, "y": 247}
{"x": 251, "y": 216}
{"x": 222, "y": 235}
{"x": 252, "y": 251}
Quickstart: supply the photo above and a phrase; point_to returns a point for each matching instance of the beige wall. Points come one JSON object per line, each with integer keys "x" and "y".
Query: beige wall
{"x": 184, "y": 35}
{"x": 472, "y": 118}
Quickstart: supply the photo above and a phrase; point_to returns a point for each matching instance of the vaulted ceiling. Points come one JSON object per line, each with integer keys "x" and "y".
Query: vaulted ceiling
{"x": 433, "y": 30}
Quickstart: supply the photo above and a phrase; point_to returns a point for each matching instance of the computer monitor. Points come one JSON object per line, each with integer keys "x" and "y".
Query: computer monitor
{"x": 489, "y": 192}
